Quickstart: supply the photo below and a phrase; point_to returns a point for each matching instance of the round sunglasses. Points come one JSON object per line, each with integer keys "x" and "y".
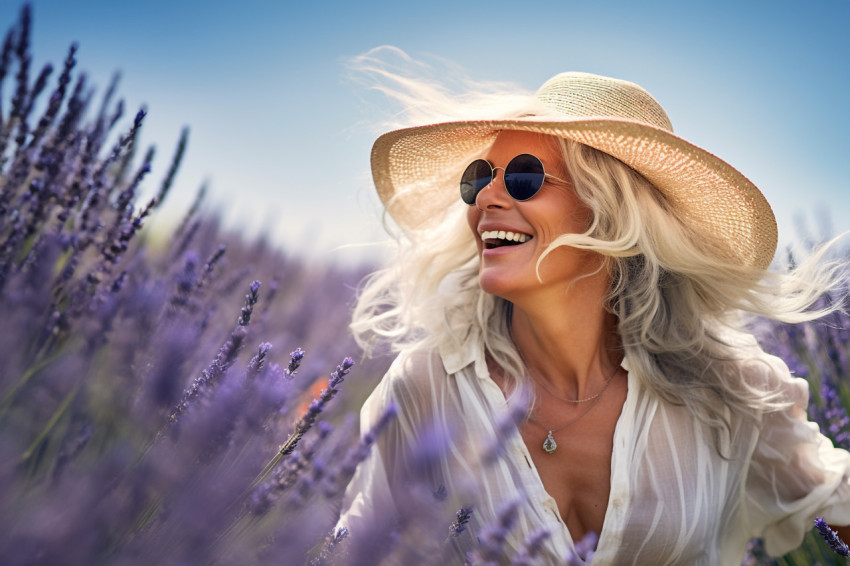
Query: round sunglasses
{"x": 524, "y": 175}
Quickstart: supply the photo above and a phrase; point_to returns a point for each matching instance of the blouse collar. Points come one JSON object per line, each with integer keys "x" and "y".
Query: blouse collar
{"x": 461, "y": 348}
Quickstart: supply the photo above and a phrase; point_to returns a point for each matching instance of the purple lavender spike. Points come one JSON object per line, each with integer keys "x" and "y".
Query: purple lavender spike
{"x": 185, "y": 280}
{"x": 73, "y": 113}
{"x": 267, "y": 493}
{"x": 345, "y": 470}
{"x": 586, "y": 547}
{"x": 225, "y": 358}
{"x": 294, "y": 363}
{"x": 831, "y": 537}
{"x": 250, "y": 300}
{"x": 329, "y": 547}
{"x": 834, "y": 420}
{"x": 491, "y": 545}
{"x": 209, "y": 266}
{"x": 462, "y": 517}
{"x": 38, "y": 87}
{"x": 118, "y": 284}
{"x": 531, "y": 547}
{"x": 175, "y": 164}
{"x": 309, "y": 418}
{"x": 756, "y": 554}
{"x": 102, "y": 123}
{"x": 124, "y": 144}
{"x": 255, "y": 366}
{"x": 19, "y": 99}
{"x": 440, "y": 494}
{"x": 188, "y": 225}
{"x": 318, "y": 404}
{"x": 584, "y": 550}
{"x": 119, "y": 243}
{"x": 5, "y": 57}
{"x": 126, "y": 196}
{"x": 56, "y": 97}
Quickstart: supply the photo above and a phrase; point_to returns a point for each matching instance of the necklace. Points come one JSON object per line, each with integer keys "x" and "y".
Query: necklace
{"x": 586, "y": 399}
{"x": 549, "y": 445}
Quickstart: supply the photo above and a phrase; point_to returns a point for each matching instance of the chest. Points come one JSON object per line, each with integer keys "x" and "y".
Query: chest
{"x": 577, "y": 474}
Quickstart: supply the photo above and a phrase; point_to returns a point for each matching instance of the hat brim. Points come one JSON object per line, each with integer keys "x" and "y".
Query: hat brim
{"x": 417, "y": 170}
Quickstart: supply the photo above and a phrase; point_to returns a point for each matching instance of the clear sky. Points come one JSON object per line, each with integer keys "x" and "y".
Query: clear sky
{"x": 283, "y": 134}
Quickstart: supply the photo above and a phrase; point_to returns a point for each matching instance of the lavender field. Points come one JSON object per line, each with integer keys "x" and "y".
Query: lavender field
{"x": 156, "y": 406}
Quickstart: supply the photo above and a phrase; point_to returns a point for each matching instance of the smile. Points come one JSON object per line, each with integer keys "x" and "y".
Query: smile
{"x": 498, "y": 238}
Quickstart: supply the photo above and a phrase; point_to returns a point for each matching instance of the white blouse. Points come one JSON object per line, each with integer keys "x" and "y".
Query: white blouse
{"x": 673, "y": 500}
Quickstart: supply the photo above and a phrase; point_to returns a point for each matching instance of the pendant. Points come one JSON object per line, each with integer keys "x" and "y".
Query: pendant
{"x": 549, "y": 445}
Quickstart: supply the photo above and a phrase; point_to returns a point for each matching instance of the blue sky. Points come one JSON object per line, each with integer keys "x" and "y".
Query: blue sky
{"x": 283, "y": 134}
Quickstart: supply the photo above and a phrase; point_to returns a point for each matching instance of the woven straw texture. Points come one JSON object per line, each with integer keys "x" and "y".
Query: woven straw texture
{"x": 417, "y": 170}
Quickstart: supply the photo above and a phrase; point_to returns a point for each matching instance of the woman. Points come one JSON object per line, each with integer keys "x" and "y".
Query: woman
{"x": 570, "y": 336}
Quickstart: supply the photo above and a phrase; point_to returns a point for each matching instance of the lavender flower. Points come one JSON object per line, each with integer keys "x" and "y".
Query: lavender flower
{"x": 329, "y": 547}
{"x": 347, "y": 467}
{"x": 831, "y": 537}
{"x": 317, "y": 405}
{"x": 833, "y": 417}
{"x": 531, "y": 547}
{"x": 250, "y": 300}
{"x": 109, "y": 332}
{"x": 492, "y": 538}
{"x": 225, "y": 358}
{"x": 267, "y": 493}
{"x": 209, "y": 266}
{"x": 440, "y": 494}
{"x": 462, "y": 517}
{"x": 586, "y": 547}
{"x": 757, "y": 555}
{"x": 175, "y": 165}
{"x": 294, "y": 362}
{"x": 258, "y": 361}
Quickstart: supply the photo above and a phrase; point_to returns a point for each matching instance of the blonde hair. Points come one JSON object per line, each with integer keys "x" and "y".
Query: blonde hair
{"x": 681, "y": 304}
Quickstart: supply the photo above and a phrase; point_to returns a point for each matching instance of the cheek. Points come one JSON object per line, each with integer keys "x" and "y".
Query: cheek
{"x": 572, "y": 217}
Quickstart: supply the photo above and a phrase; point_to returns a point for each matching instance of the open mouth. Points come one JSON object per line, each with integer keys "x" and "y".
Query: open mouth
{"x": 501, "y": 238}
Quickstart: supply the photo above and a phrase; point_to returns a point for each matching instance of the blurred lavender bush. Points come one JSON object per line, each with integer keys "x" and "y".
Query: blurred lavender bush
{"x": 144, "y": 416}
{"x": 145, "y": 391}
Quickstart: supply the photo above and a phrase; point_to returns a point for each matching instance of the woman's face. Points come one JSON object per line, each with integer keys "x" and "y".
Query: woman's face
{"x": 507, "y": 270}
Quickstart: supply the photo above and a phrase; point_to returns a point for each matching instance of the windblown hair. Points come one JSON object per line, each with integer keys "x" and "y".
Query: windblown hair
{"x": 681, "y": 304}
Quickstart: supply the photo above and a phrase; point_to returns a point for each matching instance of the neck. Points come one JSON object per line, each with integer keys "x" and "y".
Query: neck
{"x": 567, "y": 338}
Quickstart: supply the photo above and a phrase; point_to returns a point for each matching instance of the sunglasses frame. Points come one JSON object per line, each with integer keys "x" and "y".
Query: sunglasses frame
{"x": 504, "y": 171}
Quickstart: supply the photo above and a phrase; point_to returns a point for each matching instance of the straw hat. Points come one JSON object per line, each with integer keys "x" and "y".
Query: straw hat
{"x": 417, "y": 170}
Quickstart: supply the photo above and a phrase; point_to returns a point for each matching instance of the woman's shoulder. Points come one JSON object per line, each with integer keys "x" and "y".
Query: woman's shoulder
{"x": 415, "y": 370}
{"x": 763, "y": 373}
{"x": 770, "y": 375}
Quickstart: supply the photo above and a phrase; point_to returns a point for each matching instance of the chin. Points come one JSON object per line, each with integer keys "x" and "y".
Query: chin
{"x": 498, "y": 284}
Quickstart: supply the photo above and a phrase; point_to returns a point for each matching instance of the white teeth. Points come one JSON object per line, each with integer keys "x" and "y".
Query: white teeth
{"x": 503, "y": 235}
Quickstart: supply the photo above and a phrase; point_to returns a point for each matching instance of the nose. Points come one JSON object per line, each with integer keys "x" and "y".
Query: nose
{"x": 494, "y": 195}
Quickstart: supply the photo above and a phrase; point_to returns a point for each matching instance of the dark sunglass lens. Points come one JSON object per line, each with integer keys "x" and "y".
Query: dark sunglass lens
{"x": 524, "y": 176}
{"x": 477, "y": 176}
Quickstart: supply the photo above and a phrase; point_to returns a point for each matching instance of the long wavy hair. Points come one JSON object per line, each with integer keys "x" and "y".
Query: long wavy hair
{"x": 681, "y": 305}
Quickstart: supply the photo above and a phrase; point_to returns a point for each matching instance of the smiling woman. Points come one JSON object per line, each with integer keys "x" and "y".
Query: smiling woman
{"x": 554, "y": 210}
{"x": 566, "y": 307}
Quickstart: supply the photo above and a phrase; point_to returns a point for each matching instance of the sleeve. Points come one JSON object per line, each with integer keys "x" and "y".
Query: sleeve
{"x": 368, "y": 494}
{"x": 795, "y": 472}
{"x": 380, "y": 479}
